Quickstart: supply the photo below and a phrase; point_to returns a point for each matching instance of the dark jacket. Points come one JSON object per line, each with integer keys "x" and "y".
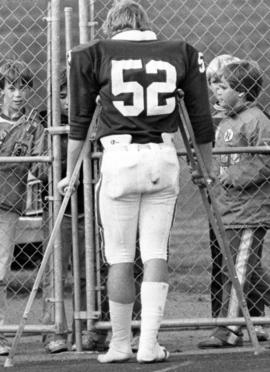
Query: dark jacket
{"x": 244, "y": 201}
{"x": 20, "y": 137}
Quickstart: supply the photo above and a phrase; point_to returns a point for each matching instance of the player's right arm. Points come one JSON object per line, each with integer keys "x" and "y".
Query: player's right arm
{"x": 82, "y": 106}
{"x": 73, "y": 152}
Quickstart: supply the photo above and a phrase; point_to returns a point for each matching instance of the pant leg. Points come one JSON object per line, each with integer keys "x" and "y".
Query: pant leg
{"x": 255, "y": 300}
{"x": 8, "y": 222}
{"x": 244, "y": 248}
{"x": 260, "y": 283}
{"x": 216, "y": 274}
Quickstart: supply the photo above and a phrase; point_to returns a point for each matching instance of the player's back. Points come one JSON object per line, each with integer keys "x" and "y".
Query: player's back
{"x": 137, "y": 82}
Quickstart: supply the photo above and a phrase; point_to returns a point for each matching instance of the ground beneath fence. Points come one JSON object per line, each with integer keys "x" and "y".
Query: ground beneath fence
{"x": 182, "y": 344}
{"x": 30, "y": 357}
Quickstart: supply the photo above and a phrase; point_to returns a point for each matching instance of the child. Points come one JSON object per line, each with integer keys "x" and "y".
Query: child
{"x": 255, "y": 300}
{"x": 213, "y": 74}
{"x": 242, "y": 194}
{"x": 20, "y": 135}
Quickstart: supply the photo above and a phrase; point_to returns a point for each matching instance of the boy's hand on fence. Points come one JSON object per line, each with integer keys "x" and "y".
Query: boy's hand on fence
{"x": 64, "y": 185}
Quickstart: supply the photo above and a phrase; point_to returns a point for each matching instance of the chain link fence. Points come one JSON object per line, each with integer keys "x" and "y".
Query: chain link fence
{"x": 24, "y": 37}
{"x": 237, "y": 27}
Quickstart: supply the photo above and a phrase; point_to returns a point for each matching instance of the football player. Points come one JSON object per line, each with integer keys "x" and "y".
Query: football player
{"x": 137, "y": 77}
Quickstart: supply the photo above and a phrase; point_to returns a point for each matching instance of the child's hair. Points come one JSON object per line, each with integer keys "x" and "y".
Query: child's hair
{"x": 13, "y": 71}
{"x": 63, "y": 77}
{"x": 125, "y": 14}
{"x": 215, "y": 68}
{"x": 244, "y": 77}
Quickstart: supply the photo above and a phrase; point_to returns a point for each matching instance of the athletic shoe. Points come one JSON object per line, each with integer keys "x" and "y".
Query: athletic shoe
{"x": 93, "y": 341}
{"x": 261, "y": 333}
{"x": 4, "y": 346}
{"x": 56, "y": 345}
{"x": 215, "y": 342}
{"x": 160, "y": 354}
{"x": 115, "y": 356}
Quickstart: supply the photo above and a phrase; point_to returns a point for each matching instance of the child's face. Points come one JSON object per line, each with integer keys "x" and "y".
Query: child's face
{"x": 213, "y": 85}
{"x": 64, "y": 101}
{"x": 227, "y": 97}
{"x": 14, "y": 96}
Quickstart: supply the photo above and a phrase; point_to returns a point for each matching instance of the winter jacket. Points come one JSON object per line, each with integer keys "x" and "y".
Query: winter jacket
{"x": 244, "y": 200}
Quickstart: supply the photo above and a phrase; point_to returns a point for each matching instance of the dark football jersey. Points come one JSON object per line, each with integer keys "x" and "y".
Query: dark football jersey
{"x": 137, "y": 83}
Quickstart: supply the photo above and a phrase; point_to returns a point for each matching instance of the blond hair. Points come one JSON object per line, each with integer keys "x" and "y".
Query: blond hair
{"x": 125, "y": 15}
{"x": 215, "y": 68}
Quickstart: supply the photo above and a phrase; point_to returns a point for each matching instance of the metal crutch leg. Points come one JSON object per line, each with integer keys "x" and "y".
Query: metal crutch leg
{"x": 213, "y": 213}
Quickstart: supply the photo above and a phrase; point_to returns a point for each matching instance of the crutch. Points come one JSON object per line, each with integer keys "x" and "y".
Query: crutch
{"x": 90, "y": 136}
{"x": 213, "y": 212}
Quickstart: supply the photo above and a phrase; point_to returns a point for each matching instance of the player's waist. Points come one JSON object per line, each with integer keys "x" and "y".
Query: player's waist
{"x": 126, "y": 139}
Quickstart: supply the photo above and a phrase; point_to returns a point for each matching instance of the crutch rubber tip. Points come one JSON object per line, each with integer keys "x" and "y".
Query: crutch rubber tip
{"x": 8, "y": 363}
{"x": 259, "y": 350}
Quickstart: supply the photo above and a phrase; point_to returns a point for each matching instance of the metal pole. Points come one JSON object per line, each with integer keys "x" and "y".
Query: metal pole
{"x": 92, "y": 23}
{"x": 48, "y": 287}
{"x": 83, "y": 21}
{"x": 74, "y": 205}
{"x": 56, "y": 118}
{"x": 180, "y": 324}
{"x": 88, "y": 196}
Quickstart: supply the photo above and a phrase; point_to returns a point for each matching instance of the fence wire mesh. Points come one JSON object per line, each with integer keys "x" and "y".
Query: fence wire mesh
{"x": 23, "y": 38}
{"x": 237, "y": 27}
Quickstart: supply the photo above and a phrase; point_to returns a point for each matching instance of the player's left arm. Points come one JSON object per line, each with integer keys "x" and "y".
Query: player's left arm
{"x": 196, "y": 97}
{"x": 197, "y": 102}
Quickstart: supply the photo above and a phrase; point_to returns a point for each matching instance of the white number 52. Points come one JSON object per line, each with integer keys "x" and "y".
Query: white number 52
{"x": 152, "y": 106}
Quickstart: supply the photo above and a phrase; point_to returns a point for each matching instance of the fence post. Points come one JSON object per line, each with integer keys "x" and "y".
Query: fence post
{"x": 56, "y": 118}
{"x": 74, "y": 205}
{"x": 88, "y": 196}
{"x": 92, "y": 23}
{"x": 83, "y": 21}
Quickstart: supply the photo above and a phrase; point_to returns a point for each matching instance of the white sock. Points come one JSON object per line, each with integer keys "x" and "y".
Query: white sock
{"x": 121, "y": 315}
{"x": 120, "y": 347}
{"x": 153, "y": 300}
